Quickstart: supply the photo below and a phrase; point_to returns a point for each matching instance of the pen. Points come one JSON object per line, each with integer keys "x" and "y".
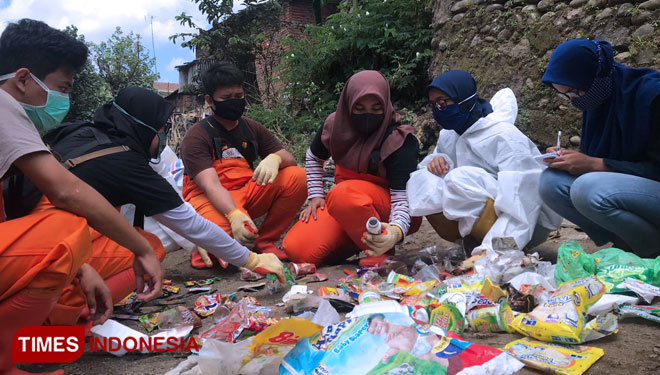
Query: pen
{"x": 558, "y": 141}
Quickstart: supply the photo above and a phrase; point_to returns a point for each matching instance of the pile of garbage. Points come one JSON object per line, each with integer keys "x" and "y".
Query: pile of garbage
{"x": 408, "y": 315}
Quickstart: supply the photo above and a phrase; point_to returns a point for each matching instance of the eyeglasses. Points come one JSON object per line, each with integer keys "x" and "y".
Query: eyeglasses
{"x": 568, "y": 95}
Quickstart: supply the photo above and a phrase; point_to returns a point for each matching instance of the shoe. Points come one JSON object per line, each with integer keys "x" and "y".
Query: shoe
{"x": 270, "y": 247}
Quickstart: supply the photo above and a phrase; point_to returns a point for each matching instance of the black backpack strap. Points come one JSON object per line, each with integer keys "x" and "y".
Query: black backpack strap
{"x": 209, "y": 123}
{"x": 375, "y": 154}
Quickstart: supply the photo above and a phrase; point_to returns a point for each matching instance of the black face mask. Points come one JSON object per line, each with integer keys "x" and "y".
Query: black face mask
{"x": 231, "y": 109}
{"x": 367, "y": 123}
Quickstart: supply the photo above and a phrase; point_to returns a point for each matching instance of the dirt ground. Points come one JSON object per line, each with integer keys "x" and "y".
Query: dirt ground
{"x": 635, "y": 349}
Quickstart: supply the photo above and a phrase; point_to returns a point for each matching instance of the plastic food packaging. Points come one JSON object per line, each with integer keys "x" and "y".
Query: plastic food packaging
{"x": 230, "y": 328}
{"x": 207, "y": 304}
{"x": 203, "y": 282}
{"x": 561, "y": 318}
{"x": 553, "y": 358}
{"x": 612, "y": 266}
{"x": 646, "y": 312}
{"x": 496, "y": 318}
{"x": 149, "y": 321}
{"x": 248, "y": 275}
{"x": 644, "y": 290}
{"x": 176, "y": 317}
{"x": 369, "y": 295}
{"x": 389, "y": 342}
{"x": 448, "y": 317}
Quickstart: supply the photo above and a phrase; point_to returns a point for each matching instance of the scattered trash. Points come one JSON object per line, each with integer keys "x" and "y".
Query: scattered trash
{"x": 553, "y": 358}
{"x": 562, "y": 319}
{"x": 647, "y": 312}
{"x": 389, "y": 342}
{"x": 248, "y": 275}
{"x": 170, "y": 290}
{"x": 609, "y": 302}
{"x": 116, "y": 330}
{"x": 301, "y": 269}
{"x": 612, "y": 266}
{"x": 198, "y": 283}
{"x": 644, "y": 290}
{"x": 251, "y": 287}
{"x": 207, "y": 304}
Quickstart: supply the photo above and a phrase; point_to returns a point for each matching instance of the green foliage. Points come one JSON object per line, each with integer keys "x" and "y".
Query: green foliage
{"x": 123, "y": 61}
{"x": 89, "y": 89}
{"x": 392, "y": 37}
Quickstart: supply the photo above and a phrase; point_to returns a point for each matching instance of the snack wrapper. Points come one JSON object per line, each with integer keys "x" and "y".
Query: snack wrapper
{"x": 149, "y": 321}
{"x": 496, "y": 318}
{"x": 646, "y": 312}
{"x": 198, "y": 283}
{"x": 553, "y": 358}
{"x": 207, "y": 304}
{"x": 562, "y": 318}
{"x": 448, "y": 317}
{"x": 391, "y": 343}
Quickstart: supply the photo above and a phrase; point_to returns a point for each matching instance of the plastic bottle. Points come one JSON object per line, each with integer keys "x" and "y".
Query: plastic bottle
{"x": 373, "y": 225}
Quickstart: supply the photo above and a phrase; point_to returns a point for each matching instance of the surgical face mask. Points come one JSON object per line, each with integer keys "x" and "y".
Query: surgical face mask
{"x": 162, "y": 137}
{"x": 597, "y": 94}
{"x": 49, "y": 115}
{"x": 450, "y": 117}
{"x": 231, "y": 109}
{"x": 367, "y": 123}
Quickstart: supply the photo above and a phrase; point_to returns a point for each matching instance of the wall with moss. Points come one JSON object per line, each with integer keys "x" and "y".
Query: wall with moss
{"x": 508, "y": 43}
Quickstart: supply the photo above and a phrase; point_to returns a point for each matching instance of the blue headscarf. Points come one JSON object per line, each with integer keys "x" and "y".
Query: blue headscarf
{"x": 619, "y": 126}
{"x": 460, "y": 85}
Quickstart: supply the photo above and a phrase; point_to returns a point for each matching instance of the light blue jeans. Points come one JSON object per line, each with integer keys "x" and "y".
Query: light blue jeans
{"x": 607, "y": 204}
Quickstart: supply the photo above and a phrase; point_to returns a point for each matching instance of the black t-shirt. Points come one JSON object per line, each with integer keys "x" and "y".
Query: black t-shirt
{"x": 398, "y": 166}
{"x": 126, "y": 177}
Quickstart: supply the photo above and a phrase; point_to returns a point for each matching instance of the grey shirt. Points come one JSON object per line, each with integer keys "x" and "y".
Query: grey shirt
{"x": 18, "y": 136}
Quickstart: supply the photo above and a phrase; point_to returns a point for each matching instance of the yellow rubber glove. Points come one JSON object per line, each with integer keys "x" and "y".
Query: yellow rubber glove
{"x": 243, "y": 228}
{"x": 381, "y": 243}
{"x": 266, "y": 171}
{"x": 265, "y": 264}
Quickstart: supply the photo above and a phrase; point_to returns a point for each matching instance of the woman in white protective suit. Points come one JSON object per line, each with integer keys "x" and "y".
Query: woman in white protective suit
{"x": 482, "y": 179}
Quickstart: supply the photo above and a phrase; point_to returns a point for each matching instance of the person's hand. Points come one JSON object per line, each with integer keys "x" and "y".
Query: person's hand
{"x": 314, "y": 204}
{"x": 381, "y": 243}
{"x": 265, "y": 264}
{"x": 148, "y": 264}
{"x": 577, "y": 163}
{"x": 549, "y": 150}
{"x": 242, "y": 227}
{"x": 266, "y": 171}
{"x": 438, "y": 166}
{"x": 99, "y": 297}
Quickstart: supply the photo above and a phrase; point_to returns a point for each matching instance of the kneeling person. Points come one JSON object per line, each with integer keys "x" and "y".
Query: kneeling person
{"x": 220, "y": 182}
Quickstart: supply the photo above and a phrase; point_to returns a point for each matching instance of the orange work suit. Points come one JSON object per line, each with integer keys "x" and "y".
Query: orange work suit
{"x": 337, "y": 232}
{"x": 281, "y": 199}
{"x": 109, "y": 259}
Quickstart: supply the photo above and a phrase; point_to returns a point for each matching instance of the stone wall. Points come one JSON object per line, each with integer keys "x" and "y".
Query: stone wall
{"x": 508, "y": 43}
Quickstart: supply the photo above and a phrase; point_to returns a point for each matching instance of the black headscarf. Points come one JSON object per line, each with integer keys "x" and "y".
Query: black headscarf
{"x": 460, "y": 85}
{"x": 142, "y": 104}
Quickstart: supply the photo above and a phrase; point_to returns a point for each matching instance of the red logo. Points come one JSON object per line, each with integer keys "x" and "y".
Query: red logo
{"x": 48, "y": 344}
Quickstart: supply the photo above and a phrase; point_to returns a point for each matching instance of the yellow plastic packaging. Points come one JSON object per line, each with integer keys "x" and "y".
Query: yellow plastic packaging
{"x": 562, "y": 317}
{"x": 286, "y": 332}
{"x": 553, "y": 358}
{"x": 462, "y": 284}
{"x": 420, "y": 288}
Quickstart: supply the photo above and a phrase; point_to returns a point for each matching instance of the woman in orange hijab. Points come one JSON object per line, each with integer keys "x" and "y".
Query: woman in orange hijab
{"x": 374, "y": 155}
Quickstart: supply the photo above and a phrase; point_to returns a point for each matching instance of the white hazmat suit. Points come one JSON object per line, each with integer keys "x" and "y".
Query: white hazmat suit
{"x": 492, "y": 159}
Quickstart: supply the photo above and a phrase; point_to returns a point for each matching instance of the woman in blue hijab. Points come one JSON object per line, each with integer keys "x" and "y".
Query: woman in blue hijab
{"x": 610, "y": 187}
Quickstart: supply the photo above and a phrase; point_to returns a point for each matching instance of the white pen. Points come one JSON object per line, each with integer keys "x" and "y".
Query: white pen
{"x": 558, "y": 141}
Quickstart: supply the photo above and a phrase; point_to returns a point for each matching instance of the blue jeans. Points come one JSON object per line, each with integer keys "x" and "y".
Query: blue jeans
{"x": 607, "y": 205}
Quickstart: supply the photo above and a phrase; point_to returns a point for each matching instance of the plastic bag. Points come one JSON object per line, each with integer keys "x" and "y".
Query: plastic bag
{"x": 612, "y": 266}
{"x": 646, "y": 312}
{"x": 553, "y": 358}
{"x": 425, "y": 190}
{"x": 390, "y": 343}
{"x": 644, "y": 290}
{"x": 561, "y": 318}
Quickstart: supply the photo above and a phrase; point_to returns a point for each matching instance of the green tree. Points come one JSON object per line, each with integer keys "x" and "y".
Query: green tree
{"x": 89, "y": 89}
{"x": 123, "y": 61}
{"x": 392, "y": 37}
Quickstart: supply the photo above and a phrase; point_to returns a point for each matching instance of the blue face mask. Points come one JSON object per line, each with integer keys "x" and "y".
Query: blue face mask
{"x": 162, "y": 137}
{"x": 450, "y": 117}
{"x": 49, "y": 115}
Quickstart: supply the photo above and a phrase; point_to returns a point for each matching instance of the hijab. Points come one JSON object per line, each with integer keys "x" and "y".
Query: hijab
{"x": 462, "y": 89}
{"x": 616, "y": 107}
{"x": 118, "y": 117}
{"x": 351, "y": 148}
